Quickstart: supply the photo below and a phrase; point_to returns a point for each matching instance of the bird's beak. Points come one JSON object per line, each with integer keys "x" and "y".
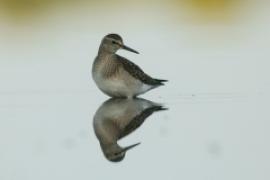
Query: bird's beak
{"x": 130, "y": 147}
{"x": 129, "y": 49}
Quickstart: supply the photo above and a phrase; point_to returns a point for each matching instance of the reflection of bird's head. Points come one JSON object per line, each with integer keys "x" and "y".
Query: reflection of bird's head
{"x": 115, "y": 153}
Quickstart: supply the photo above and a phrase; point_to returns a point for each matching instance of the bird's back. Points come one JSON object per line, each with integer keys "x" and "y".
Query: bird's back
{"x": 116, "y": 76}
{"x": 136, "y": 72}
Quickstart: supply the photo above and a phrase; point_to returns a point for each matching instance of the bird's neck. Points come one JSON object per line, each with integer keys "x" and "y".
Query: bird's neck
{"x": 104, "y": 55}
{"x": 104, "y": 51}
{"x": 106, "y": 64}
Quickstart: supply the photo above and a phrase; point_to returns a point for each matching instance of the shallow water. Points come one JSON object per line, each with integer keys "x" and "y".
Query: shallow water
{"x": 217, "y": 125}
{"x": 217, "y": 135}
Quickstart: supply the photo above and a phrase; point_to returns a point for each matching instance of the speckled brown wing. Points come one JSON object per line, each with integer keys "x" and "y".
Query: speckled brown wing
{"x": 138, "y": 120}
{"x": 138, "y": 73}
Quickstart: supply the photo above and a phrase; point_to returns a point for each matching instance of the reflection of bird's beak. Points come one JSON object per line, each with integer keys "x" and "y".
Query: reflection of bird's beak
{"x": 129, "y": 49}
{"x": 130, "y": 147}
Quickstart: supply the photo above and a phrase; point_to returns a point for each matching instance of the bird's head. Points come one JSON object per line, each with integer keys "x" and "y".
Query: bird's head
{"x": 112, "y": 43}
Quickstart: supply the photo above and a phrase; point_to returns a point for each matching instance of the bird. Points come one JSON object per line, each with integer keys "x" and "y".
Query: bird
{"x": 116, "y": 118}
{"x": 115, "y": 75}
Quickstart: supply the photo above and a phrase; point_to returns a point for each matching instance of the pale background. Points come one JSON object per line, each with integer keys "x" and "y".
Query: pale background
{"x": 214, "y": 52}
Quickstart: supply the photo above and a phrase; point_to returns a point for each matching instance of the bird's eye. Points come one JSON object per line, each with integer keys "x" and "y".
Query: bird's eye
{"x": 114, "y": 42}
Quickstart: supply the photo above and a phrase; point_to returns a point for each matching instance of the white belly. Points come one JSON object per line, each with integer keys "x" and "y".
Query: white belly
{"x": 116, "y": 87}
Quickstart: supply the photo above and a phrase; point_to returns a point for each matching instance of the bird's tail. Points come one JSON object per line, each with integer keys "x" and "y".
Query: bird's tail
{"x": 161, "y": 81}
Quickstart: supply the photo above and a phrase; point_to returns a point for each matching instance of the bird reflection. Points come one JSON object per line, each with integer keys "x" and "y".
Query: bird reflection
{"x": 117, "y": 118}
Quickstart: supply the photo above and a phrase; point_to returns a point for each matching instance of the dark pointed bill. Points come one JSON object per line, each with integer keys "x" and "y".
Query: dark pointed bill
{"x": 129, "y": 49}
{"x": 130, "y": 147}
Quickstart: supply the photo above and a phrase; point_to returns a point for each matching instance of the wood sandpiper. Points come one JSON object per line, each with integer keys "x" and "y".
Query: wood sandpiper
{"x": 115, "y": 75}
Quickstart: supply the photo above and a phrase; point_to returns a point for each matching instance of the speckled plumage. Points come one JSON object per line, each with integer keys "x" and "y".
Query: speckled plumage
{"x": 115, "y": 75}
{"x": 138, "y": 73}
